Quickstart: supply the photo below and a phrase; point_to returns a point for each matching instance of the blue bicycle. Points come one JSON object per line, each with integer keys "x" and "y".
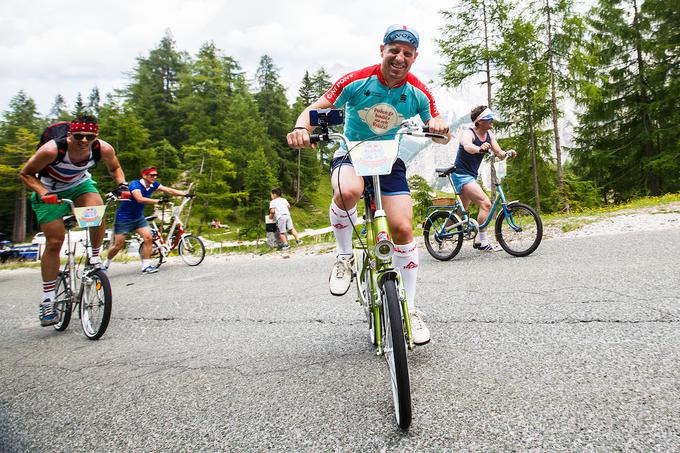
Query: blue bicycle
{"x": 518, "y": 227}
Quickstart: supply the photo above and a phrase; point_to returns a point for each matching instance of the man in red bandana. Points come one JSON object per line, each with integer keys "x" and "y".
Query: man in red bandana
{"x": 59, "y": 169}
{"x": 130, "y": 217}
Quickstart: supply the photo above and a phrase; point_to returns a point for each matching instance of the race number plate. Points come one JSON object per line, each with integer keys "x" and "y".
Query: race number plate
{"x": 89, "y": 216}
{"x": 373, "y": 157}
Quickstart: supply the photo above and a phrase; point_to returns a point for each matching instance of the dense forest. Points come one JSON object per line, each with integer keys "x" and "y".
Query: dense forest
{"x": 201, "y": 118}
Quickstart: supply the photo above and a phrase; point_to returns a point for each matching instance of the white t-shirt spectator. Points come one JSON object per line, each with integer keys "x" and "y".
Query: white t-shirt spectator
{"x": 281, "y": 206}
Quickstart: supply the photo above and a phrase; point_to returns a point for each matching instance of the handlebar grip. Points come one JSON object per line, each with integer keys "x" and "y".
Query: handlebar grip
{"x": 50, "y": 198}
{"x": 426, "y": 129}
{"x": 189, "y": 195}
{"x": 315, "y": 138}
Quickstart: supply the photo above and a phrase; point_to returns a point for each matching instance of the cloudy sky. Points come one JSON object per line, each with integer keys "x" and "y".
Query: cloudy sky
{"x": 66, "y": 47}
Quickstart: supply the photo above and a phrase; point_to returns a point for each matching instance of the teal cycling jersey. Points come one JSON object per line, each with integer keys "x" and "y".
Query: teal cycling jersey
{"x": 375, "y": 111}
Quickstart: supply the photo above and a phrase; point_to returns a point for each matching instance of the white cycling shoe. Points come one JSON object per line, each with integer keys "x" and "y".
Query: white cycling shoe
{"x": 341, "y": 275}
{"x": 419, "y": 331}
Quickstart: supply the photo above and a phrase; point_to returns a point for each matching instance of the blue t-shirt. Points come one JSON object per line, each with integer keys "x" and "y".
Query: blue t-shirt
{"x": 130, "y": 209}
{"x": 375, "y": 109}
{"x": 468, "y": 164}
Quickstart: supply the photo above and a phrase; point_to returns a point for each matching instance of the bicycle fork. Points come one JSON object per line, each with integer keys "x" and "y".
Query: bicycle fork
{"x": 384, "y": 250}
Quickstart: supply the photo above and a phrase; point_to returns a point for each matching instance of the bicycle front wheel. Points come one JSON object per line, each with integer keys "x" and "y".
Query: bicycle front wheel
{"x": 395, "y": 354}
{"x": 191, "y": 249}
{"x": 95, "y": 304}
{"x": 63, "y": 303}
{"x": 521, "y": 231}
{"x": 441, "y": 240}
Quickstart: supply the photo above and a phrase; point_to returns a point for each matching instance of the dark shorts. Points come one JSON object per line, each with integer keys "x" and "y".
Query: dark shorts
{"x": 128, "y": 226}
{"x": 393, "y": 184}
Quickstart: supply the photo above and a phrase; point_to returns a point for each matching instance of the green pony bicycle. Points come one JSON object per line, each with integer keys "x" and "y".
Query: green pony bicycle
{"x": 81, "y": 286}
{"x": 379, "y": 287}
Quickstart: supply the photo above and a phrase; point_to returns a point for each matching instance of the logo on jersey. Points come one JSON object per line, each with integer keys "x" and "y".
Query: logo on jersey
{"x": 410, "y": 265}
{"x": 340, "y": 226}
{"x": 381, "y": 118}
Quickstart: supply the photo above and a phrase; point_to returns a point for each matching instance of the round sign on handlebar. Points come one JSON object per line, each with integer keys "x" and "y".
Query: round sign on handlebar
{"x": 374, "y": 157}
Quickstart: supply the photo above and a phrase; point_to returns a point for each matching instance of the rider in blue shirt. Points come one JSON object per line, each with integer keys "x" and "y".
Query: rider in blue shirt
{"x": 130, "y": 216}
{"x": 376, "y": 100}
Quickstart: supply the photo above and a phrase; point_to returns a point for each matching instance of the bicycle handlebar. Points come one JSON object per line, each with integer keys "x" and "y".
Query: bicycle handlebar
{"x": 407, "y": 128}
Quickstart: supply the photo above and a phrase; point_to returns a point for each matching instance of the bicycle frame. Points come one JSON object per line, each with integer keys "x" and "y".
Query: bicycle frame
{"x": 378, "y": 260}
{"x": 171, "y": 240}
{"x": 466, "y": 220}
{"x": 71, "y": 268}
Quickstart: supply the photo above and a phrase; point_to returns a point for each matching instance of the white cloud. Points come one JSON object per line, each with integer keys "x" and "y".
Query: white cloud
{"x": 60, "y": 47}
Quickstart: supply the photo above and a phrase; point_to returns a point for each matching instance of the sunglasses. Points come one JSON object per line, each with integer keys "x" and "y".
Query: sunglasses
{"x": 88, "y": 137}
{"x": 153, "y": 175}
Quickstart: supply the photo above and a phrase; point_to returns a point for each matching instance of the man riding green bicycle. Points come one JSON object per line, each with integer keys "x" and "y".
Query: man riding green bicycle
{"x": 378, "y": 99}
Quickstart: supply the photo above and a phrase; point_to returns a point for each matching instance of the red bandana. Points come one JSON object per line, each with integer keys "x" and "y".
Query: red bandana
{"x": 83, "y": 127}
{"x": 148, "y": 170}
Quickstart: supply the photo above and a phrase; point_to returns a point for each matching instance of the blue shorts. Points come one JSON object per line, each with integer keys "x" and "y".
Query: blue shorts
{"x": 393, "y": 184}
{"x": 460, "y": 179}
{"x": 128, "y": 226}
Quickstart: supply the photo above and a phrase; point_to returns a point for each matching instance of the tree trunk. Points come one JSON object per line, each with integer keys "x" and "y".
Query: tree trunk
{"x": 651, "y": 177}
{"x": 564, "y": 203}
{"x": 297, "y": 195}
{"x": 19, "y": 230}
{"x": 488, "y": 62}
{"x": 534, "y": 159}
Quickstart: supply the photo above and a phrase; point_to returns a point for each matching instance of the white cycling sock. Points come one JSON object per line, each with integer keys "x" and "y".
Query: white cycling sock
{"x": 145, "y": 264}
{"x": 483, "y": 239}
{"x": 107, "y": 263}
{"x": 406, "y": 260}
{"x": 342, "y": 227}
{"x": 49, "y": 289}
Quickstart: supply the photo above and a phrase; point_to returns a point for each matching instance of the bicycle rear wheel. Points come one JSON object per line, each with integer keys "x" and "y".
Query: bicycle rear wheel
{"x": 63, "y": 303}
{"x": 442, "y": 243}
{"x": 191, "y": 249}
{"x": 521, "y": 231}
{"x": 156, "y": 254}
{"x": 394, "y": 347}
{"x": 95, "y": 304}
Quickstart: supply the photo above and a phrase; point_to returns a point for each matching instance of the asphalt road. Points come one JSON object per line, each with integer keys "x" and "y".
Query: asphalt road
{"x": 575, "y": 348}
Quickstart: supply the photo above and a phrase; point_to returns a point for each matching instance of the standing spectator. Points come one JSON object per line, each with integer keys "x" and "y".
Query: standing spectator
{"x": 279, "y": 209}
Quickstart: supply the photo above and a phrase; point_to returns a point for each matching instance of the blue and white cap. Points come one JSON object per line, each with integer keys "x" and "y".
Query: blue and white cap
{"x": 401, "y": 33}
{"x": 486, "y": 114}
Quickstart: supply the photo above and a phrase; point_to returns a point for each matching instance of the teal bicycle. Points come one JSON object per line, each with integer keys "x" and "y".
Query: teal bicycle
{"x": 379, "y": 288}
{"x": 518, "y": 227}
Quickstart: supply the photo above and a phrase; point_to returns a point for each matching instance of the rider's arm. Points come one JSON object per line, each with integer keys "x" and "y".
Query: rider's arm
{"x": 171, "y": 191}
{"x": 111, "y": 162}
{"x": 467, "y": 141}
{"x": 139, "y": 198}
{"x": 496, "y": 148}
{"x": 41, "y": 159}
{"x": 299, "y": 136}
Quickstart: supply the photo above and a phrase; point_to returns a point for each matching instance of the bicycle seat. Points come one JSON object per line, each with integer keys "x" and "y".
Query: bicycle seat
{"x": 151, "y": 218}
{"x": 69, "y": 221}
{"x": 445, "y": 171}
